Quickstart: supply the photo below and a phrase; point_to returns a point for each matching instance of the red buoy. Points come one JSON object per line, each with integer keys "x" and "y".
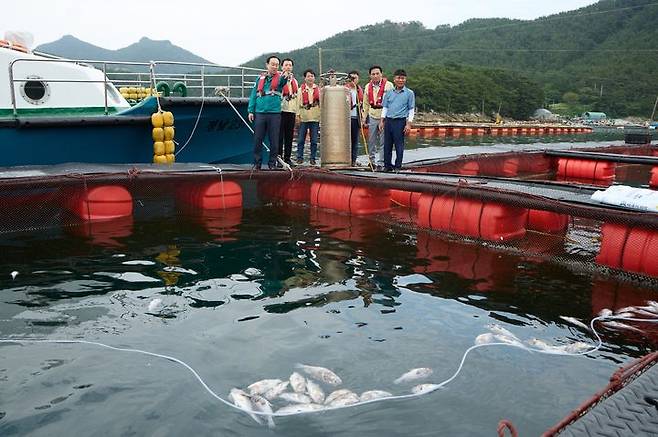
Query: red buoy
{"x": 288, "y": 191}
{"x": 408, "y": 199}
{"x": 546, "y": 221}
{"x": 349, "y": 198}
{"x": 586, "y": 169}
{"x": 211, "y": 195}
{"x": 653, "y": 182}
{"x": 473, "y": 218}
{"x": 632, "y": 249}
{"x": 104, "y": 202}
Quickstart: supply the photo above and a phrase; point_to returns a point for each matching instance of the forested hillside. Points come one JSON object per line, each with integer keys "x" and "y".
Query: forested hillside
{"x": 602, "y": 57}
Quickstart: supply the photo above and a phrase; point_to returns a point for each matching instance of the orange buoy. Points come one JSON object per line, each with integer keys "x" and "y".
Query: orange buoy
{"x": 586, "y": 169}
{"x": 441, "y": 131}
{"x": 428, "y": 131}
{"x": 104, "y": 202}
{"x": 211, "y": 195}
{"x": 494, "y": 131}
{"x": 480, "y": 131}
{"x": 469, "y": 168}
{"x": 349, "y": 198}
{"x": 473, "y": 218}
{"x": 456, "y": 132}
{"x": 632, "y": 249}
{"x": 468, "y": 131}
{"x": 408, "y": 199}
{"x": 546, "y": 221}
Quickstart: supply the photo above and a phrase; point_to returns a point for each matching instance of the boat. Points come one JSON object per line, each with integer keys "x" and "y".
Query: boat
{"x": 55, "y": 110}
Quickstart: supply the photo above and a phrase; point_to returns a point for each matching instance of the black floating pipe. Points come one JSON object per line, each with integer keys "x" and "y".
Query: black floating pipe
{"x": 609, "y": 157}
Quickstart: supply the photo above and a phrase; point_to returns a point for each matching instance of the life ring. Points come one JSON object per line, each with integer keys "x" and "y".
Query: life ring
{"x": 180, "y": 87}
{"x": 13, "y": 45}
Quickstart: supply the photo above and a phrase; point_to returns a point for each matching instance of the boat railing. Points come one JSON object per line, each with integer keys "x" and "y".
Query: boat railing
{"x": 201, "y": 80}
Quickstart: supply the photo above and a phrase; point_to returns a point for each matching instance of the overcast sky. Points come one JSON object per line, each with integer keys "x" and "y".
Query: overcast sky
{"x": 232, "y": 32}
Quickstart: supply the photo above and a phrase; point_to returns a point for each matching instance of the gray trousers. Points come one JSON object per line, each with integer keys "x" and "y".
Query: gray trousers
{"x": 375, "y": 142}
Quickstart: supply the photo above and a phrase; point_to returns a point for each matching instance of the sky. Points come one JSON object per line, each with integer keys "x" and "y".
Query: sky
{"x": 232, "y": 32}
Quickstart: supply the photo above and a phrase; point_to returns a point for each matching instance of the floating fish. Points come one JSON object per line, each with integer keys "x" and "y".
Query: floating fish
{"x": 299, "y": 408}
{"x": 342, "y": 401}
{"x": 619, "y": 325}
{"x": 297, "y": 382}
{"x": 374, "y": 394}
{"x": 321, "y": 374}
{"x": 497, "y": 329}
{"x": 577, "y": 347}
{"x": 575, "y": 322}
{"x": 414, "y": 374}
{"x": 261, "y": 404}
{"x": 422, "y": 389}
{"x": 315, "y": 392}
{"x": 337, "y": 394}
{"x": 605, "y": 312}
{"x": 14, "y": 274}
{"x": 297, "y": 398}
{"x": 625, "y": 314}
{"x": 154, "y": 305}
{"x": 485, "y": 338}
{"x": 243, "y": 401}
{"x": 276, "y": 390}
{"x": 260, "y": 387}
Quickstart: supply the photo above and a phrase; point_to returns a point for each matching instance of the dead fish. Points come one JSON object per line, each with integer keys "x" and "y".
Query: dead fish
{"x": 619, "y": 325}
{"x": 260, "y": 387}
{"x": 297, "y": 398}
{"x": 297, "y": 382}
{"x": 575, "y": 322}
{"x": 497, "y": 329}
{"x": 422, "y": 389}
{"x": 625, "y": 315}
{"x": 14, "y": 274}
{"x": 485, "y": 338}
{"x": 605, "y": 312}
{"x": 321, "y": 374}
{"x": 315, "y": 392}
{"x": 276, "y": 390}
{"x": 337, "y": 394}
{"x": 299, "y": 408}
{"x": 513, "y": 341}
{"x": 243, "y": 401}
{"x": 577, "y": 347}
{"x": 261, "y": 404}
{"x": 374, "y": 394}
{"x": 154, "y": 305}
{"x": 342, "y": 401}
{"x": 414, "y": 374}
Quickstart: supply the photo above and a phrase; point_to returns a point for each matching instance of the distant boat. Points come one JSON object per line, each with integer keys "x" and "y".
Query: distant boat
{"x": 55, "y": 110}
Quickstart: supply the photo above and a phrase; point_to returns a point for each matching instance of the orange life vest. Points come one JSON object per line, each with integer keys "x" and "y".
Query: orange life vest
{"x": 376, "y": 103}
{"x": 316, "y": 96}
{"x": 274, "y": 85}
{"x": 13, "y": 46}
{"x": 290, "y": 89}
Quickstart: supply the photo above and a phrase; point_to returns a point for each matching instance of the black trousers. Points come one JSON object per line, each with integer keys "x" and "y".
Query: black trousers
{"x": 286, "y": 134}
{"x": 355, "y": 129}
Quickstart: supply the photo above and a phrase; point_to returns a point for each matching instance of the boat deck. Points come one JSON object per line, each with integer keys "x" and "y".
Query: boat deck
{"x": 627, "y": 407}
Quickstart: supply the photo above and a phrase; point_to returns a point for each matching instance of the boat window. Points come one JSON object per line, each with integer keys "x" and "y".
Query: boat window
{"x": 35, "y": 91}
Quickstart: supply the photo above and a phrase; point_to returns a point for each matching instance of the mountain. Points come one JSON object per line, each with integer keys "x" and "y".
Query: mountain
{"x": 144, "y": 50}
{"x": 601, "y": 57}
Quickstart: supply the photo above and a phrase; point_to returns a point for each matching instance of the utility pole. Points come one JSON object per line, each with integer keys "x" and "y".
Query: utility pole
{"x": 601, "y": 94}
{"x": 654, "y": 109}
{"x": 319, "y": 60}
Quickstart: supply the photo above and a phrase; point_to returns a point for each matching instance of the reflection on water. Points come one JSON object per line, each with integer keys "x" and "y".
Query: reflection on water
{"x": 243, "y": 295}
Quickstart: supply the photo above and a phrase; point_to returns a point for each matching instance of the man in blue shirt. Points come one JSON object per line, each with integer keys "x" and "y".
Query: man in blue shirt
{"x": 398, "y": 113}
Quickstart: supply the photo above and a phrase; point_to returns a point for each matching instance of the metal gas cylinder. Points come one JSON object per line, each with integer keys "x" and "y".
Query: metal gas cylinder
{"x": 335, "y": 125}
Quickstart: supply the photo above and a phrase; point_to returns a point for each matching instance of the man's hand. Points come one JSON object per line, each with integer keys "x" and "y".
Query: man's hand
{"x": 250, "y": 117}
{"x": 381, "y": 125}
{"x": 407, "y": 128}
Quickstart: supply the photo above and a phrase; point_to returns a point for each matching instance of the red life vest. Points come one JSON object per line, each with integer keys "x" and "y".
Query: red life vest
{"x": 273, "y": 85}
{"x": 316, "y": 96}
{"x": 290, "y": 89}
{"x": 376, "y": 104}
{"x": 359, "y": 96}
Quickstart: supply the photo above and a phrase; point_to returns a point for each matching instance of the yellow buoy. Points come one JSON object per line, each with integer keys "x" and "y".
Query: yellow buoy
{"x": 157, "y": 120}
{"x": 168, "y": 118}
{"x": 159, "y": 148}
{"x": 160, "y": 159}
{"x": 170, "y": 158}
{"x": 168, "y": 133}
{"x": 158, "y": 134}
{"x": 169, "y": 147}
{"x": 123, "y": 90}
